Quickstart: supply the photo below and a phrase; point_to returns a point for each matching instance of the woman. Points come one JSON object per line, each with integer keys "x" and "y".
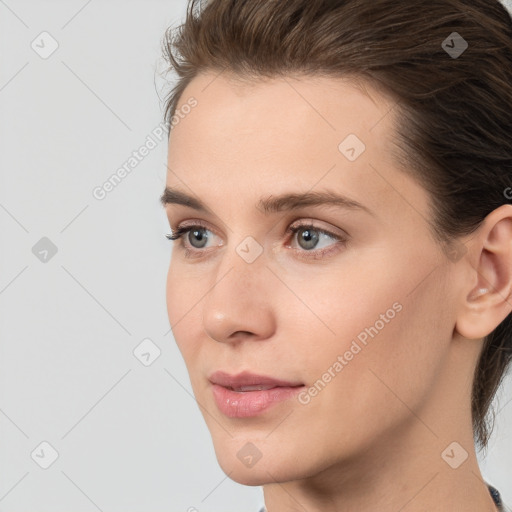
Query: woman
{"x": 339, "y": 197}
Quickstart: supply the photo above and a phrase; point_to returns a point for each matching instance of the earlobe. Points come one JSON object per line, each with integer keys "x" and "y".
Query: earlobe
{"x": 488, "y": 301}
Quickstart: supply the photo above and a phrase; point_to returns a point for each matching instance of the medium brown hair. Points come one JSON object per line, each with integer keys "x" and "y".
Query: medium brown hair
{"x": 453, "y": 112}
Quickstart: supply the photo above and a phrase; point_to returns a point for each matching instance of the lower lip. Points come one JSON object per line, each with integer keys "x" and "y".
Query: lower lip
{"x": 245, "y": 404}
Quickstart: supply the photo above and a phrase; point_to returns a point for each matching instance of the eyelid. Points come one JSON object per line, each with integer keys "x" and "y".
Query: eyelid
{"x": 185, "y": 226}
{"x": 302, "y": 221}
{"x": 341, "y": 238}
{"x": 305, "y": 222}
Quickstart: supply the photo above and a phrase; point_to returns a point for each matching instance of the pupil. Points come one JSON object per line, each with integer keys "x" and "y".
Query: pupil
{"x": 198, "y": 233}
{"x": 308, "y": 236}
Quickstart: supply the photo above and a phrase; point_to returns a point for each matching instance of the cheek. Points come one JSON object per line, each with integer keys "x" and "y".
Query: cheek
{"x": 183, "y": 296}
{"x": 379, "y": 334}
{"x": 172, "y": 293}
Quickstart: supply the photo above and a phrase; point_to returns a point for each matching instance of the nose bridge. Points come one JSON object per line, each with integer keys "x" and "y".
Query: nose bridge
{"x": 238, "y": 299}
{"x": 244, "y": 263}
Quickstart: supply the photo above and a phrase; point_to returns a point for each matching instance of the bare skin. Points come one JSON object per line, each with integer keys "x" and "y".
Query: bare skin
{"x": 374, "y": 436}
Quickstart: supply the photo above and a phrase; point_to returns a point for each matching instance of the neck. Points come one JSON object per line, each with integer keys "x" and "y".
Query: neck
{"x": 412, "y": 479}
{"x": 407, "y": 469}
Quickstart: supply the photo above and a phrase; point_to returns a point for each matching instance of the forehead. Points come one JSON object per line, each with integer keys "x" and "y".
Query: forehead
{"x": 302, "y": 116}
{"x": 299, "y": 103}
{"x": 291, "y": 132}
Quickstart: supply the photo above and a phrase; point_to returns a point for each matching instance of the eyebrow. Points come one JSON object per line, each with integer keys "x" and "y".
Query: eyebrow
{"x": 272, "y": 204}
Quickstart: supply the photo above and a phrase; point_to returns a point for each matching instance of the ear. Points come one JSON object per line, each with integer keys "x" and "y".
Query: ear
{"x": 487, "y": 300}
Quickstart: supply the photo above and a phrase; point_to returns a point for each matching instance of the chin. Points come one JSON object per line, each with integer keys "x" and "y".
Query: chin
{"x": 261, "y": 473}
{"x": 250, "y": 477}
{"x": 269, "y": 464}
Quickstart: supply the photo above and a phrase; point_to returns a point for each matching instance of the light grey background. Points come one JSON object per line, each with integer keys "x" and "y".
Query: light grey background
{"x": 129, "y": 437}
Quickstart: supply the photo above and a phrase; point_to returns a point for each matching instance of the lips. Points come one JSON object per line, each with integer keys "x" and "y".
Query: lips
{"x": 246, "y": 395}
{"x": 247, "y": 381}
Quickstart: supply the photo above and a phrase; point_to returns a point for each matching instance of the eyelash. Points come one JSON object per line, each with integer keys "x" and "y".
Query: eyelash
{"x": 179, "y": 232}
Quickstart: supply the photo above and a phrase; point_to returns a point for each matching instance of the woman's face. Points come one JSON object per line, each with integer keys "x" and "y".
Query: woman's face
{"x": 359, "y": 316}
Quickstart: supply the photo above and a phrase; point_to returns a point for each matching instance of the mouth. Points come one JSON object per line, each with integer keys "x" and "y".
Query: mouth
{"x": 247, "y": 381}
{"x": 245, "y": 389}
{"x": 246, "y": 394}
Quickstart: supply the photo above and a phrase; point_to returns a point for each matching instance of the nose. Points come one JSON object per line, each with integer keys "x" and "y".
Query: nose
{"x": 239, "y": 304}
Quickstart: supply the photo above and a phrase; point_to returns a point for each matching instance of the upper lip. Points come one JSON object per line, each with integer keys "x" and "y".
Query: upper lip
{"x": 248, "y": 379}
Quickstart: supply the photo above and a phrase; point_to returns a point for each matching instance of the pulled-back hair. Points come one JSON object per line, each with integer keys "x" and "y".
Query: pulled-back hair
{"x": 453, "y": 112}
